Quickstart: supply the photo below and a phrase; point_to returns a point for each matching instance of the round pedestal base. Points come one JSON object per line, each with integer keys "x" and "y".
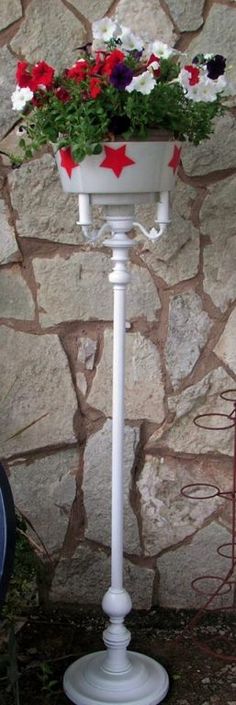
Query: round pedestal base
{"x": 145, "y": 682}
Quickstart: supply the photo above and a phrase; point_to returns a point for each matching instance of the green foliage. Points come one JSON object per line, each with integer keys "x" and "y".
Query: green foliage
{"x": 22, "y": 591}
{"x": 83, "y": 122}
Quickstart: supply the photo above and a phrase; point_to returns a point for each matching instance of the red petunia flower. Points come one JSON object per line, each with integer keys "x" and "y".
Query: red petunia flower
{"x": 194, "y": 74}
{"x": 154, "y": 60}
{"x": 23, "y": 75}
{"x": 62, "y": 94}
{"x": 95, "y": 87}
{"x": 42, "y": 75}
{"x": 78, "y": 71}
{"x": 111, "y": 60}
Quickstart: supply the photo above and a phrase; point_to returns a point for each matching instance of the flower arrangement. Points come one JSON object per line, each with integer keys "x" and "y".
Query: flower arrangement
{"x": 120, "y": 86}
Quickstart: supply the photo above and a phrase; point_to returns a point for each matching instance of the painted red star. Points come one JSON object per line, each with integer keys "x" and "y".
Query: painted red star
{"x": 175, "y": 159}
{"x": 116, "y": 159}
{"x": 67, "y": 160}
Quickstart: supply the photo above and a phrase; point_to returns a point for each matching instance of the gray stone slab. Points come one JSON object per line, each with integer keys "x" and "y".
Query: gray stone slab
{"x": 178, "y": 568}
{"x": 10, "y": 12}
{"x": 217, "y": 216}
{"x": 85, "y": 577}
{"x": 144, "y": 391}
{"x": 76, "y": 287}
{"x": 38, "y": 400}
{"x": 189, "y": 327}
{"x": 16, "y": 300}
{"x": 44, "y": 490}
{"x": 175, "y": 256}
{"x": 97, "y": 495}
{"x": 203, "y": 398}
{"x": 9, "y": 251}
{"x": 186, "y": 13}
{"x": 49, "y": 31}
{"x": 147, "y": 18}
{"x": 42, "y": 209}
{"x": 167, "y": 516}
{"x": 7, "y": 85}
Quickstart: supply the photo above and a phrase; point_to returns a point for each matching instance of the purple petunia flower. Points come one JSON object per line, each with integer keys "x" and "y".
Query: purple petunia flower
{"x": 121, "y": 76}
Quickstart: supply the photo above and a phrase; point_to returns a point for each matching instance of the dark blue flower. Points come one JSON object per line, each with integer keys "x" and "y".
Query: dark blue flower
{"x": 121, "y": 76}
{"x": 216, "y": 66}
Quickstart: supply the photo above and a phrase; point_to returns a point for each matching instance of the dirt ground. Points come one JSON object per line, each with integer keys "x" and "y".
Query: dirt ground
{"x": 50, "y": 640}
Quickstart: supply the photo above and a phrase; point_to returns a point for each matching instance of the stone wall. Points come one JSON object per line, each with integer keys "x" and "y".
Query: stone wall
{"x": 56, "y": 335}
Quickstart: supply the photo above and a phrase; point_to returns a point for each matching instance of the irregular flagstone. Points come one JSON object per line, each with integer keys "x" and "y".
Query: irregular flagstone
{"x": 10, "y": 12}
{"x": 213, "y": 154}
{"x": 178, "y": 568}
{"x": 16, "y": 300}
{"x": 92, "y": 9}
{"x": 44, "y": 490}
{"x": 85, "y": 576}
{"x": 38, "y": 400}
{"x": 97, "y": 495}
{"x": 188, "y": 331}
{"x": 144, "y": 391}
{"x": 175, "y": 256}
{"x": 225, "y": 348}
{"x": 9, "y": 251}
{"x": 50, "y": 32}
{"x": 43, "y": 210}
{"x": 217, "y": 35}
{"x": 218, "y": 215}
{"x": 147, "y": 17}
{"x": 184, "y": 436}
{"x": 7, "y": 85}
{"x": 186, "y": 13}
{"x": 167, "y": 516}
{"x": 77, "y": 287}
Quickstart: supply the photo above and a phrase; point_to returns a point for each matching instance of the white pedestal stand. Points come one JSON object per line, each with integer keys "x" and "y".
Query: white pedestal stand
{"x": 115, "y": 675}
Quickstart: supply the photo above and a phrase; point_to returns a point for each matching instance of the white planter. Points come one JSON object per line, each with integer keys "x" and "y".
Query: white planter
{"x": 122, "y": 167}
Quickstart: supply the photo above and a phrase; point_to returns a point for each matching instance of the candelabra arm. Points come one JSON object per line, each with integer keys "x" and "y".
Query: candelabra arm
{"x": 162, "y": 218}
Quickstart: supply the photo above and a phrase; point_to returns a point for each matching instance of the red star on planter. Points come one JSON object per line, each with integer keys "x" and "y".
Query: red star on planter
{"x": 175, "y": 159}
{"x": 116, "y": 159}
{"x": 67, "y": 160}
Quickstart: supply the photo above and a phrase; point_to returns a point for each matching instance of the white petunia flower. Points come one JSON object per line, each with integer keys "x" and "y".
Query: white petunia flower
{"x": 104, "y": 29}
{"x": 142, "y": 84}
{"x": 206, "y": 90}
{"x": 130, "y": 41}
{"x": 20, "y": 97}
{"x": 160, "y": 49}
